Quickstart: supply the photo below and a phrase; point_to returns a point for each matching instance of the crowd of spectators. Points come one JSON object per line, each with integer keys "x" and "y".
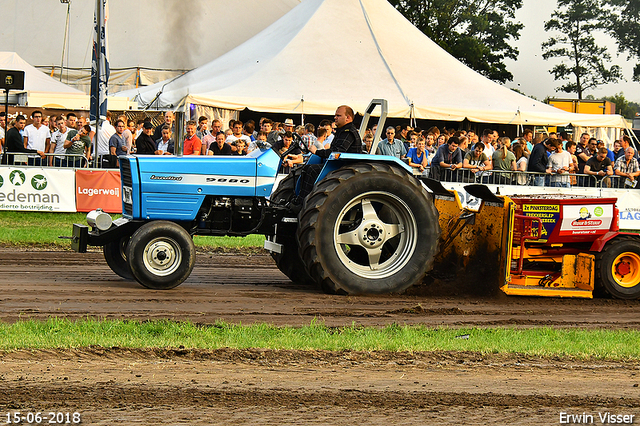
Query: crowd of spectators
{"x": 58, "y": 141}
{"x": 540, "y": 159}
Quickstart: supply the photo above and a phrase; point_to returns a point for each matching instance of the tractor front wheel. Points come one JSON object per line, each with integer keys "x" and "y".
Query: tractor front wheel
{"x": 161, "y": 255}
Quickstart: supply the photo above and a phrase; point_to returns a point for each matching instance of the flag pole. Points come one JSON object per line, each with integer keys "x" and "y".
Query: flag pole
{"x": 98, "y": 53}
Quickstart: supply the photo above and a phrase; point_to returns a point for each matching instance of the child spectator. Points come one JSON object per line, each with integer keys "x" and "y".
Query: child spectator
{"x": 241, "y": 148}
{"x": 367, "y": 142}
{"x": 418, "y": 157}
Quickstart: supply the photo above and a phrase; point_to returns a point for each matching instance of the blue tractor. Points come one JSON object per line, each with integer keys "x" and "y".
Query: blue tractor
{"x": 368, "y": 226}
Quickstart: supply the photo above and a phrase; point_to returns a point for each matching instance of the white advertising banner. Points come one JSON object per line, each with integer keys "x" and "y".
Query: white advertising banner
{"x": 37, "y": 189}
{"x": 628, "y": 199}
{"x": 629, "y": 206}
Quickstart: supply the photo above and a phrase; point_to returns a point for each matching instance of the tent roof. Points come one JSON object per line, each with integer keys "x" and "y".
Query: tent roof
{"x": 34, "y": 79}
{"x": 324, "y": 53}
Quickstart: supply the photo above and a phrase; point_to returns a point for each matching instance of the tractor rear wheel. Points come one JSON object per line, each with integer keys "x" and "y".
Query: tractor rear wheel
{"x": 368, "y": 228}
{"x": 115, "y": 255}
{"x": 161, "y": 255}
{"x": 618, "y": 268}
{"x": 289, "y": 261}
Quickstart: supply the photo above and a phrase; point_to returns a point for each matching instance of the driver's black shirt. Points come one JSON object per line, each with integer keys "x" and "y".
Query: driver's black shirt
{"x": 346, "y": 139}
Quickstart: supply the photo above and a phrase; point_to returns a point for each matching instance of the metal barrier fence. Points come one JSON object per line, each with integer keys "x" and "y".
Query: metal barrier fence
{"x": 51, "y": 160}
{"x": 489, "y": 177}
{"x": 499, "y": 177}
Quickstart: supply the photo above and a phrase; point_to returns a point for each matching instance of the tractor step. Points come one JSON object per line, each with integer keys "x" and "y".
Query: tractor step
{"x": 531, "y": 290}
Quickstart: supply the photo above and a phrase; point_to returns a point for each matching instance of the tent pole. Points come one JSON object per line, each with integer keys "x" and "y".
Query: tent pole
{"x": 64, "y": 41}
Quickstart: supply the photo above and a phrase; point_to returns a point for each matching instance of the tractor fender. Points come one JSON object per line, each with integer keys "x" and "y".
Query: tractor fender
{"x": 598, "y": 245}
{"x": 338, "y": 159}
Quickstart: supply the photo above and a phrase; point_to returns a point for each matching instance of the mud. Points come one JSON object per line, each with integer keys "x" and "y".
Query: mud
{"x": 197, "y": 387}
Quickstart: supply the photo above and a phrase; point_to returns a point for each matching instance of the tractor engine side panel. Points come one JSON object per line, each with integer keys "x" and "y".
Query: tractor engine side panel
{"x": 174, "y": 188}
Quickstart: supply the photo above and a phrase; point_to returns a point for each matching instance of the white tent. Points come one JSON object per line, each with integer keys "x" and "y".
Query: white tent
{"x": 324, "y": 53}
{"x": 42, "y": 91}
{"x": 34, "y": 79}
{"x": 148, "y": 39}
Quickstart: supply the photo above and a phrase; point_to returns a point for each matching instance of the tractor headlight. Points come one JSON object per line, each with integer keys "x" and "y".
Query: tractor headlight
{"x": 99, "y": 219}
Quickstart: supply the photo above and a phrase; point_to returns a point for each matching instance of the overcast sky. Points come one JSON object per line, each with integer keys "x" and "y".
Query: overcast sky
{"x": 531, "y": 72}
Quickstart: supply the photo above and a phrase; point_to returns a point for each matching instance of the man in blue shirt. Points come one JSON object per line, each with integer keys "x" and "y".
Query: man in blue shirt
{"x": 117, "y": 142}
{"x": 447, "y": 160}
{"x": 391, "y": 145}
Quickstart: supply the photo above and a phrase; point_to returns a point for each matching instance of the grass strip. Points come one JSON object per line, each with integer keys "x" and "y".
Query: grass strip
{"x": 38, "y": 229}
{"x": 57, "y": 333}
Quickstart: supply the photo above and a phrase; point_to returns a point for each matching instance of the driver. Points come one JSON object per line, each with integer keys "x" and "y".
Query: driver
{"x": 346, "y": 139}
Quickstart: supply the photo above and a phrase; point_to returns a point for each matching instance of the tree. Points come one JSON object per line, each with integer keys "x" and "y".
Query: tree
{"x": 624, "y": 27}
{"x": 584, "y": 64}
{"x": 623, "y": 106}
{"x": 476, "y": 32}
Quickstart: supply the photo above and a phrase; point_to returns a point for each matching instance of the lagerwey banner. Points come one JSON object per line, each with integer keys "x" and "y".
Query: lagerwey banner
{"x": 98, "y": 189}
{"x": 37, "y": 189}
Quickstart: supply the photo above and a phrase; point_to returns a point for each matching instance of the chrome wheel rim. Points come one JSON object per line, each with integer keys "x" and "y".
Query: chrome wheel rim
{"x": 375, "y": 235}
{"x": 162, "y": 256}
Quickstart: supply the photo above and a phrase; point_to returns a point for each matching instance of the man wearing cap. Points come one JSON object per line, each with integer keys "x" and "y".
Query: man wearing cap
{"x": 289, "y": 127}
{"x": 145, "y": 143}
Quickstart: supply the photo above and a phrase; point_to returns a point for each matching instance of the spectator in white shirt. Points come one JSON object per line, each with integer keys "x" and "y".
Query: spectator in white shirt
{"x": 37, "y": 136}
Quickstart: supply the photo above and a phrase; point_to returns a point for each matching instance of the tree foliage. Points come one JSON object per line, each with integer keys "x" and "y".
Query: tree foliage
{"x": 476, "y": 32}
{"x": 624, "y": 26}
{"x": 583, "y": 63}
{"x": 624, "y": 107}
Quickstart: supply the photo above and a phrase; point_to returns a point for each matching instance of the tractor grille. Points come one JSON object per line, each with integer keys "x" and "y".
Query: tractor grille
{"x": 127, "y": 182}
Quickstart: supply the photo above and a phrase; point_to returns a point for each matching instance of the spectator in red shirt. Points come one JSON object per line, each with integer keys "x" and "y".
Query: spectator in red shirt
{"x": 192, "y": 144}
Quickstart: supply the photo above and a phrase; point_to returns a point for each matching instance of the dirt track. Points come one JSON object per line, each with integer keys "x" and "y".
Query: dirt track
{"x": 119, "y": 386}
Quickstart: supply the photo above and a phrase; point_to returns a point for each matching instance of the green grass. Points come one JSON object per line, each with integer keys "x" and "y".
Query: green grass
{"x": 43, "y": 229}
{"x": 544, "y": 342}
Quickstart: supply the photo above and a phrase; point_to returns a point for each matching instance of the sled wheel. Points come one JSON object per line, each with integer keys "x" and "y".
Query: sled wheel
{"x": 116, "y": 257}
{"x": 618, "y": 268}
{"x": 161, "y": 255}
{"x": 368, "y": 228}
{"x": 289, "y": 261}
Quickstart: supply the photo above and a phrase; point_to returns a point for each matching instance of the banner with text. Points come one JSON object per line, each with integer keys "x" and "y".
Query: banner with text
{"x": 98, "y": 189}
{"x": 628, "y": 199}
{"x": 37, "y": 189}
{"x": 629, "y": 206}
